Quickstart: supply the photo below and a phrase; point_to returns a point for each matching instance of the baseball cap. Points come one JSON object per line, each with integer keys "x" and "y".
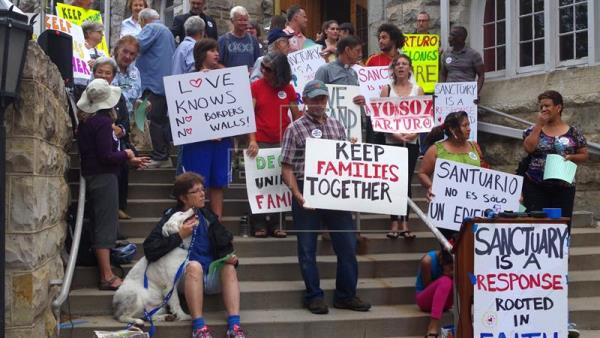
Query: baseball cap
{"x": 315, "y": 88}
{"x": 276, "y": 34}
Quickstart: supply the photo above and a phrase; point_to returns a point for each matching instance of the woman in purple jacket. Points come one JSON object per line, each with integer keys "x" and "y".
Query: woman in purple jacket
{"x": 100, "y": 166}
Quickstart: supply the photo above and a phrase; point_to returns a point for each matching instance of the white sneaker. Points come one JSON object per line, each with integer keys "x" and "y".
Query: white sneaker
{"x": 573, "y": 332}
{"x": 159, "y": 164}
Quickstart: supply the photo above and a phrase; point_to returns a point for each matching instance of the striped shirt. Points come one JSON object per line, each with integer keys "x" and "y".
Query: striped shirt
{"x": 294, "y": 139}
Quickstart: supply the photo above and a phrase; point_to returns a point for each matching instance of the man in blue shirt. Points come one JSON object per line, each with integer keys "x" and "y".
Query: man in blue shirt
{"x": 154, "y": 62}
{"x": 183, "y": 59}
{"x": 238, "y": 48}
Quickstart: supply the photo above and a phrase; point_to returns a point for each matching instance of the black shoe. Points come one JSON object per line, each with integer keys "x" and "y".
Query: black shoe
{"x": 354, "y": 304}
{"x": 317, "y": 306}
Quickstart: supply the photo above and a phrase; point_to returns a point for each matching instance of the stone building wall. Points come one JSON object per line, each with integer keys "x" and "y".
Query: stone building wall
{"x": 36, "y": 197}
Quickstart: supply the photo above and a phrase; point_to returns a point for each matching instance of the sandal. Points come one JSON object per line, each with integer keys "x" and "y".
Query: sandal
{"x": 260, "y": 233}
{"x": 279, "y": 233}
{"x": 393, "y": 235}
{"x": 407, "y": 234}
{"x": 108, "y": 285}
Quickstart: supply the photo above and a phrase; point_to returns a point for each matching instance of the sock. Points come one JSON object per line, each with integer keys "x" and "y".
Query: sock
{"x": 197, "y": 323}
{"x": 233, "y": 320}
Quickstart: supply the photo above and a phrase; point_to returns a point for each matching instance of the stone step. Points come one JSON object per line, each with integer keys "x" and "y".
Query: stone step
{"x": 370, "y": 266}
{"x": 380, "y": 321}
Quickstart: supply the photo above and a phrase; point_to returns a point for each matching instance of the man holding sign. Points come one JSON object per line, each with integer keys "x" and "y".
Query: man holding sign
{"x": 315, "y": 124}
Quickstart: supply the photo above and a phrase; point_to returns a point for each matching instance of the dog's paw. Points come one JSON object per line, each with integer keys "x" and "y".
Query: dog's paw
{"x": 167, "y": 317}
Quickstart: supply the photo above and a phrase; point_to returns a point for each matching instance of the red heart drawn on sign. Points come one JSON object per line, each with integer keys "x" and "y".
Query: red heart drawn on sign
{"x": 188, "y": 119}
{"x": 188, "y": 131}
{"x": 196, "y": 83}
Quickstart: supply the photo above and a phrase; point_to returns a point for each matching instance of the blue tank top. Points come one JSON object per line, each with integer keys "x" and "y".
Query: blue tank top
{"x": 436, "y": 270}
{"x": 201, "y": 248}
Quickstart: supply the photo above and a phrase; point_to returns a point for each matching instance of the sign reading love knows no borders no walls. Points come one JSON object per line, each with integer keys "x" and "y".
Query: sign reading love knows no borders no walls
{"x": 209, "y": 105}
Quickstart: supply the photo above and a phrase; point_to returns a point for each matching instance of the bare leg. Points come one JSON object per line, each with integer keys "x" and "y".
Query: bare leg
{"x": 231, "y": 289}
{"x": 434, "y": 326}
{"x": 216, "y": 201}
{"x": 103, "y": 257}
{"x": 194, "y": 295}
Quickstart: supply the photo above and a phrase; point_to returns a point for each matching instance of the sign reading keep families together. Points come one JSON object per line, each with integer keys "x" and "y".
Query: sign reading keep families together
{"x": 209, "y": 105}
{"x": 78, "y": 16}
{"x": 361, "y": 177}
{"x": 81, "y": 69}
{"x": 520, "y": 280}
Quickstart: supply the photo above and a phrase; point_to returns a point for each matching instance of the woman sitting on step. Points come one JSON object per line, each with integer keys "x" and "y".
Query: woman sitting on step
{"x": 434, "y": 287}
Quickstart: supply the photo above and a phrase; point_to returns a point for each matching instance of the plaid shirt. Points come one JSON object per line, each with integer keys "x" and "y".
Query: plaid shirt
{"x": 294, "y": 139}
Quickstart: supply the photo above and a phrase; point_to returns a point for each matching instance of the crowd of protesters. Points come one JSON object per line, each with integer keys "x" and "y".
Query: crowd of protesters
{"x": 147, "y": 51}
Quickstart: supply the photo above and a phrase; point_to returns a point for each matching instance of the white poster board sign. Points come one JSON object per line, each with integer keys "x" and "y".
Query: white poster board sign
{"x": 371, "y": 80}
{"x": 456, "y": 96}
{"x": 209, "y": 105}
{"x": 520, "y": 280}
{"x": 410, "y": 114}
{"x": 304, "y": 64}
{"x": 463, "y": 191}
{"x": 80, "y": 58}
{"x": 267, "y": 192}
{"x": 341, "y": 108}
{"x": 359, "y": 177}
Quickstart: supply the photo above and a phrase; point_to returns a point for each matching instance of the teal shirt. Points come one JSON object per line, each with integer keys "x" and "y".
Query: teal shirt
{"x": 436, "y": 271}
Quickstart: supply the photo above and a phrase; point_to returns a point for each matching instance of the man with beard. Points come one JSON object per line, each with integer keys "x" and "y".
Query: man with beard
{"x": 391, "y": 41}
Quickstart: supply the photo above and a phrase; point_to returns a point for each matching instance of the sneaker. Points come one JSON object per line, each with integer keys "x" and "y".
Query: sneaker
{"x": 354, "y": 304}
{"x": 236, "y": 332}
{"x": 573, "y": 332}
{"x": 317, "y": 306}
{"x": 159, "y": 164}
{"x": 204, "y": 332}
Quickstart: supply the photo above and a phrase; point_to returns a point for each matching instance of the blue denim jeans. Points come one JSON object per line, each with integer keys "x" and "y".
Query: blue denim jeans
{"x": 344, "y": 246}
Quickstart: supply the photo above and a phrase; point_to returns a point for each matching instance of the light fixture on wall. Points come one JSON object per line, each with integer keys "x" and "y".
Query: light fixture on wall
{"x": 15, "y": 33}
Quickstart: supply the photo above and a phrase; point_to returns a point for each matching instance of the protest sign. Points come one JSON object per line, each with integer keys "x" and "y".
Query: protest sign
{"x": 410, "y": 114}
{"x": 463, "y": 190}
{"x": 359, "y": 177}
{"x": 371, "y": 80}
{"x": 80, "y": 58}
{"x": 304, "y": 64}
{"x": 78, "y": 15}
{"x": 520, "y": 280}
{"x": 423, "y": 50}
{"x": 456, "y": 96}
{"x": 267, "y": 192}
{"x": 209, "y": 105}
{"x": 341, "y": 108}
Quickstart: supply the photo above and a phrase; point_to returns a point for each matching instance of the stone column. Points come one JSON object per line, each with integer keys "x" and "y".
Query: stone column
{"x": 37, "y": 195}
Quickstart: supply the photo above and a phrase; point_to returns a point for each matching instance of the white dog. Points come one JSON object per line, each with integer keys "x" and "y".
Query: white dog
{"x": 132, "y": 298}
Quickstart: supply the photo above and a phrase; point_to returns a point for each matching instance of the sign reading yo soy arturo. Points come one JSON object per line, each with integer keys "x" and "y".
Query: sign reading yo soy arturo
{"x": 209, "y": 105}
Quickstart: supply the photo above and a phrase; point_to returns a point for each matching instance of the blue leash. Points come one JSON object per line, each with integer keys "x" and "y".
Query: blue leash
{"x": 148, "y": 314}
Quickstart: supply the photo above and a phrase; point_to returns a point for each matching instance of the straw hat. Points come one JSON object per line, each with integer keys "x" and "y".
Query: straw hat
{"x": 98, "y": 95}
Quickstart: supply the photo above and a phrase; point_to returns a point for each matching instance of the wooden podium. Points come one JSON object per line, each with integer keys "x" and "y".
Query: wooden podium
{"x": 464, "y": 262}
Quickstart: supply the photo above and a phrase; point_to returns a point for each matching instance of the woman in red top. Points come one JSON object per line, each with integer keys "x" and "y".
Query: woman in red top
{"x": 272, "y": 96}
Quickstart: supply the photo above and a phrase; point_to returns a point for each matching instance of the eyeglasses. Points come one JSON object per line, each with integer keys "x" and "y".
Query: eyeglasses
{"x": 266, "y": 68}
{"x": 197, "y": 191}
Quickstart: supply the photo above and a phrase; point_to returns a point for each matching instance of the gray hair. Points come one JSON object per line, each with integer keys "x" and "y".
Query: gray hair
{"x": 194, "y": 25}
{"x": 105, "y": 60}
{"x": 239, "y": 10}
{"x": 91, "y": 26}
{"x": 148, "y": 15}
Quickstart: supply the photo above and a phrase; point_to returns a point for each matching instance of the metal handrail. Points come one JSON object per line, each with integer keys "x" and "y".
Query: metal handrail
{"x": 68, "y": 277}
{"x": 438, "y": 235}
{"x": 594, "y": 148}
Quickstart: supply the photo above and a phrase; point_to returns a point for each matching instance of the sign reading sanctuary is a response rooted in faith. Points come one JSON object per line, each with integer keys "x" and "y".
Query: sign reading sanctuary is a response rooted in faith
{"x": 359, "y": 177}
{"x": 520, "y": 280}
{"x": 209, "y": 105}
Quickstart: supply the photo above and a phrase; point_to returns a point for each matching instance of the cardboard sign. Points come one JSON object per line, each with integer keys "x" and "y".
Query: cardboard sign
{"x": 371, "y": 80}
{"x": 341, "y": 108}
{"x": 520, "y": 280}
{"x": 304, "y": 64}
{"x": 359, "y": 177}
{"x": 423, "y": 50}
{"x": 209, "y": 105}
{"x": 80, "y": 59}
{"x": 467, "y": 191}
{"x": 267, "y": 192}
{"x": 78, "y": 15}
{"x": 457, "y": 96}
{"x": 411, "y": 114}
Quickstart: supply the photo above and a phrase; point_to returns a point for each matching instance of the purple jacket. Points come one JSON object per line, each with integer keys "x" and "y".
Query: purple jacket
{"x": 98, "y": 147}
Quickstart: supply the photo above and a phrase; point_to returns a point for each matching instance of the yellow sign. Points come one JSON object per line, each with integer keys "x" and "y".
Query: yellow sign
{"x": 78, "y": 15}
{"x": 423, "y": 50}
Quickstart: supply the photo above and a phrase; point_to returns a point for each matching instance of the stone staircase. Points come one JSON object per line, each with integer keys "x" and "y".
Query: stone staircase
{"x": 271, "y": 285}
